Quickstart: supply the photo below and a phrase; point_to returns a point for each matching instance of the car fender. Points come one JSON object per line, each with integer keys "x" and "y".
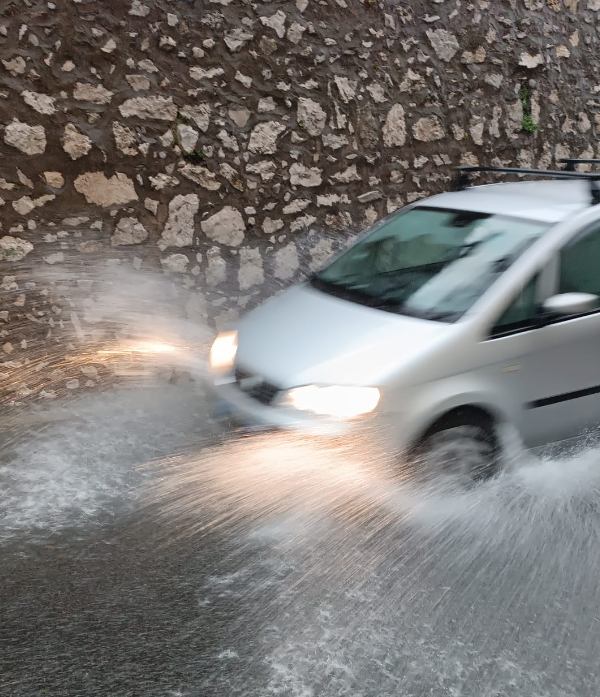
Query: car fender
{"x": 432, "y": 401}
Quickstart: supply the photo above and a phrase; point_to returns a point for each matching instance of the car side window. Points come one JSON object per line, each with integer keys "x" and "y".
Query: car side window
{"x": 580, "y": 265}
{"x": 521, "y": 314}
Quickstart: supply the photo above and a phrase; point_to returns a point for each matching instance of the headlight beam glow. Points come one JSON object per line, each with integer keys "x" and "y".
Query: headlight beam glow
{"x": 337, "y": 402}
{"x": 223, "y": 351}
{"x": 143, "y": 347}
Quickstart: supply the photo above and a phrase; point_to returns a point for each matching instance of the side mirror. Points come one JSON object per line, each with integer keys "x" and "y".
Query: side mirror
{"x": 567, "y": 304}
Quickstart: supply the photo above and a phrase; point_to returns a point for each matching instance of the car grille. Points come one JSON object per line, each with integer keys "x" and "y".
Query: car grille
{"x": 262, "y": 391}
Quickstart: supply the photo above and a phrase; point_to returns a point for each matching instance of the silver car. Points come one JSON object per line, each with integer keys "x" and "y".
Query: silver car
{"x": 456, "y": 316}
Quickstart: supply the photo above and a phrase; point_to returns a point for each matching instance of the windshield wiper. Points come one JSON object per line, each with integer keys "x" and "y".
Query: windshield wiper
{"x": 448, "y": 316}
{"x": 440, "y": 316}
{"x": 502, "y": 264}
{"x": 322, "y": 284}
{"x": 344, "y": 292}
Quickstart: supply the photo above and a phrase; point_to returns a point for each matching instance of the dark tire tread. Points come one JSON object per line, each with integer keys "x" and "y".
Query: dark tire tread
{"x": 471, "y": 417}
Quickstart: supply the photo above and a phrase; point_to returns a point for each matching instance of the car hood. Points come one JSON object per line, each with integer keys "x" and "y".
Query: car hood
{"x": 304, "y": 336}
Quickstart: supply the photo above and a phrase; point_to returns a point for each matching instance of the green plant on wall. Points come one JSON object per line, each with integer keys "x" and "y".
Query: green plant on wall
{"x": 195, "y": 156}
{"x": 528, "y": 124}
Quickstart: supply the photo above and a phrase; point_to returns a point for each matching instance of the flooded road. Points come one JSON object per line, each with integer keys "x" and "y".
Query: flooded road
{"x": 143, "y": 553}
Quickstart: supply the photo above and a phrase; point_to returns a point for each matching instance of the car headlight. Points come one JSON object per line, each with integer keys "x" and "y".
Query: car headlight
{"x": 337, "y": 402}
{"x": 223, "y": 351}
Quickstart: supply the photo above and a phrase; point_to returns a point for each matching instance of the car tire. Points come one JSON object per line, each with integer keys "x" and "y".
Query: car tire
{"x": 461, "y": 450}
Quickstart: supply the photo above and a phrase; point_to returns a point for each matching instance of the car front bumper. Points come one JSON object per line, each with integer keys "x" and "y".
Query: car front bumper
{"x": 228, "y": 401}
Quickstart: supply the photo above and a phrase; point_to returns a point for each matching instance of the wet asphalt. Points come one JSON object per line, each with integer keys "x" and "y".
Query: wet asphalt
{"x": 108, "y": 587}
{"x": 90, "y": 607}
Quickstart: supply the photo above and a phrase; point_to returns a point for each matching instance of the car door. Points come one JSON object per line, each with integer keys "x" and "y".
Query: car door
{"x": 510, "y": 351}
{"x": 548, "y": 376}
{"x": 562, "y": 379}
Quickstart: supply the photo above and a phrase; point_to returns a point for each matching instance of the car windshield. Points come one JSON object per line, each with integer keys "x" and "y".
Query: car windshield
{"x": 427, "y": 262}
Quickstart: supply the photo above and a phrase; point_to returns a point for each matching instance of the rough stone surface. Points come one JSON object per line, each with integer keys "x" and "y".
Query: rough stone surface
{"x": 251, "y": 269}
{"x": 334, "y": 141}
{"x": 237, "y": 38}
{"x": 377, "y": 92}
{"x": 232, "y": 128}
{"x": 216, "y": 268}
{"x": 225, "y": 227}
{"x": 266, "y": 169}
{"x": 125, "y": 139}
{"x": 14, "y": 248}
{"x": 179, "y": 230}
{"x": 200, "y": 175}
{"x": 187, "y": 137}
{"x": 138, "y": 9}
{"x": 129, "y": 231}
{"x": 311, "y": 115}
{"x": 75, "y": 144}
{"x": 246, "y": 80}
{"x": 154, "y": 108}
{"x": 276, "y": 22}
{"x": 54, "y": 179}
{"x": 350, "y": 174}
{"x": 163, "y": 181}
{"x": 42, "y": 103}
{"x": 444, "y": 43}
{"x": 30, "y": 140}
{"x": 167, "y": 43}
{"x": 139, "y": 83}
{"x": 286, "y": 262}
{"x": 270, "y": 226}
{"x": 477, "y": 56}
{"x": 305, "y": 176}
{"x": 151, "y": 205}
{"x": 104, "y": 191}
{"x": 368, "y": 129}
{"x": 240, "y": 116}
{"x": 230, "y": 143}
{"x": 95, "y": 94}
{"x": 263, "y": 139}
{"x": 428, "y": 128}
{"x": 199, "y": 113}
{"x": 55, "y": 258}
{"x": 295, "y": 32}
{"x": 199, "y": 74}
{"x": 175, "y": 263}
{"x": 266, "y": 104}
{"x": 26, "y": 204}
{"x": 531, "y": 61}
{"x": 394, "y": 129}
{"x": 346, "y": 87}
{"x": 232, "y": 176}
{"x": 15, "y": 66}
{"x": 370, "y": 196}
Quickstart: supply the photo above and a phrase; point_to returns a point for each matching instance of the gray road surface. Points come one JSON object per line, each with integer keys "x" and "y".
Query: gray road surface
{"x": 141, "y": 554}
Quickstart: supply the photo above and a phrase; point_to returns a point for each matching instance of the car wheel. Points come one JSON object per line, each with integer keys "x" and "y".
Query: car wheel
{"x": 458, "y": 451}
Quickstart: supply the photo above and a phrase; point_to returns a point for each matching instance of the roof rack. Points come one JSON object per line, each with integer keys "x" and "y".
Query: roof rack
{"x": 463, "y": 180}
{"x": 571, "y": 162}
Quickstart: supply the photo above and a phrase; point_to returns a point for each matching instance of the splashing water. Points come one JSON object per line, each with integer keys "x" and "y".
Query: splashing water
{"x": 73, "y": 462}
{"x": 353, "y": 580}
{"x": 374, "y": 586}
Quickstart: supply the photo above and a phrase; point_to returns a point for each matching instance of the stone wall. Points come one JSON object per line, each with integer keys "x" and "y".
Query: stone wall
{"x": 230, "y": 143}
